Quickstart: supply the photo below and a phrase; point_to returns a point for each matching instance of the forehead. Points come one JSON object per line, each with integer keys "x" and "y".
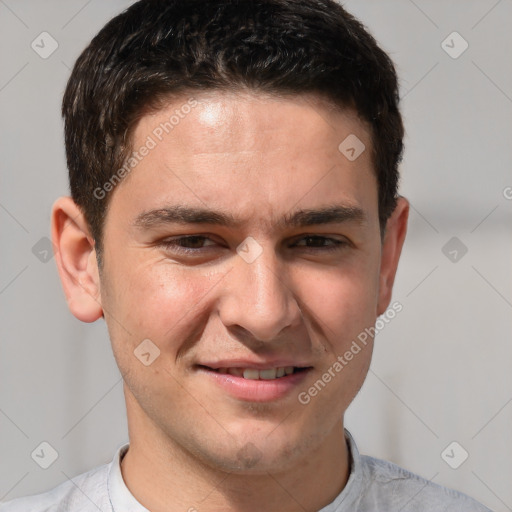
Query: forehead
{"x": 251, "y": 154}
{"x": 226, "y": 121}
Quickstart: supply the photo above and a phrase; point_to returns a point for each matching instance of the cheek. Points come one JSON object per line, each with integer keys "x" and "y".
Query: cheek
{"x": 343, "y": 304}
{"x": 343, "y": 300}
{"x": 155, "y": 300}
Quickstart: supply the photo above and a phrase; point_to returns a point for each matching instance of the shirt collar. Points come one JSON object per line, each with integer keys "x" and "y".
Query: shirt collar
{"x": 348, "y": 498}
{"x": 122, "y": 500}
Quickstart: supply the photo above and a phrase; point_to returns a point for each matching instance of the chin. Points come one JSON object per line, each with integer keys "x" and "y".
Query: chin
{"x": 250, "y": 460}
{"x": 256, "y": 453}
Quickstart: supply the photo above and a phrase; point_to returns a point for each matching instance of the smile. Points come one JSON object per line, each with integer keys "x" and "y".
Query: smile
{"x": 263, "y": 374}
{"x": 257, "y": 384}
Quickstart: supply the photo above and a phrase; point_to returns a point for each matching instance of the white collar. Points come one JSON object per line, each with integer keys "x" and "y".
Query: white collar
{"x": 121, "y": 499}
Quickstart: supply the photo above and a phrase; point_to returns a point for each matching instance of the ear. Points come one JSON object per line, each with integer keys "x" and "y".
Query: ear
{"x": 75, "y": 256}
{"x": 394, "y": 236}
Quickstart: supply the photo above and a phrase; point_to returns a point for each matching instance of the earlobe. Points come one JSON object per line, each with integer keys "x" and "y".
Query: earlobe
{"x": 396, "y": 229}
{"x": 75, "y": 256}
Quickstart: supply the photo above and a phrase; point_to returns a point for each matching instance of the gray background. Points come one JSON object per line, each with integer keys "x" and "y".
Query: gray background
{"x": 442, "y": 368}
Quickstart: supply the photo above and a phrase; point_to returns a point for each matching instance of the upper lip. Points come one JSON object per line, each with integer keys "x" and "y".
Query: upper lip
{"x": 258, "y": 365}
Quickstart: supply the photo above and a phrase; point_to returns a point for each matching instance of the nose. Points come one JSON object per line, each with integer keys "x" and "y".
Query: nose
{"x": 258, "y": 298}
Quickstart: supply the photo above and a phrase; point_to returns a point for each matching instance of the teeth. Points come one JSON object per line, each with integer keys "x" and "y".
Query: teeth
{"x": 254, "y": 374}
{"x": 250, "y": 373}
{"x": 268, "y": 374}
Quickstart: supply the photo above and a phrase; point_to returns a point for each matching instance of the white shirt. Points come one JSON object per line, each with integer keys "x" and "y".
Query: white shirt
{"x": 374, "y": 485}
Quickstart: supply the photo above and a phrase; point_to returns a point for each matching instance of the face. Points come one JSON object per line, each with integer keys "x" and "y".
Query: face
{"x": 246, "y": 247}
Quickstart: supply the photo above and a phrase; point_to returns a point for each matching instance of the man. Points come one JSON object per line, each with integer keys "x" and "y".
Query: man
{"x": 235, "y": 219}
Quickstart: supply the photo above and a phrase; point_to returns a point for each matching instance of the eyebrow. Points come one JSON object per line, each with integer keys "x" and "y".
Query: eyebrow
{"x": 180, "y": 214}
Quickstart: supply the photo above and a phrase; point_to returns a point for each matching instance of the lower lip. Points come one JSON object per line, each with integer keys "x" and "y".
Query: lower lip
{"x": 253, "y": 390}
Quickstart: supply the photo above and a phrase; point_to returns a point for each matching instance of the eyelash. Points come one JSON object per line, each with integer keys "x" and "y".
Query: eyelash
{"x": 173, "y": 244}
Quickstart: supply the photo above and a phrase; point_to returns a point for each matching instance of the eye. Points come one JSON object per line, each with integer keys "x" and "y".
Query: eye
{"x": 197, "y": 244}
{"x": 186, "y": 244}
{"x": 319, "y": 242}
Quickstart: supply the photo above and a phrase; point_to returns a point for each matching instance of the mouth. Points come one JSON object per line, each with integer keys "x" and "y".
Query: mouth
{"x": 257, "y": 374}
{"x": 261, "y": 384}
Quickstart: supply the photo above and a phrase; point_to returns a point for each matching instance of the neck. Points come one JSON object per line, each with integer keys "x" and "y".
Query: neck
{"x": 165, "y": 477}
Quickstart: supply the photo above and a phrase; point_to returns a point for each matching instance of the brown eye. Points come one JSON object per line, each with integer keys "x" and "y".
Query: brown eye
{"x": 186, "y": 244}
{"x": 323, "y": 243}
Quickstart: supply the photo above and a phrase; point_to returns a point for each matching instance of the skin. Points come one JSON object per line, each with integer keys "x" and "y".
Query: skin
{"x": 259, "y": 158}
